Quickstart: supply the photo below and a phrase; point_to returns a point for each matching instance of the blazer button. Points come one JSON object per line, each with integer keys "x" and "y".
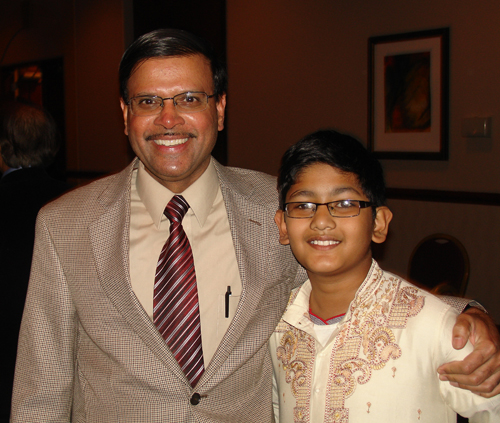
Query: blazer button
{"x": 195, "y": 399}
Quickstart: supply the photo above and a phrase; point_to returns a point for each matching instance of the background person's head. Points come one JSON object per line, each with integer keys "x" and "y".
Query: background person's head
{"x": 340, "y": 151}
{"x": 28, "y": 136}
{"x": 168, "y": 42}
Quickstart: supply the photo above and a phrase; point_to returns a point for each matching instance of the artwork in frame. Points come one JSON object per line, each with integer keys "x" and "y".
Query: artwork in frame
{"x": 408, "y": 95}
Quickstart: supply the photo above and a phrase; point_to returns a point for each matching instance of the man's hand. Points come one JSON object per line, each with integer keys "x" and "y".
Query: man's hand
{"x": 479, "y": 372}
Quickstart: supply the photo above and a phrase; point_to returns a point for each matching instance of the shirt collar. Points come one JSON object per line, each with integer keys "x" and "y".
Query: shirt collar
{"x": 200, "y": 195}
{"x": 297, "y": 312}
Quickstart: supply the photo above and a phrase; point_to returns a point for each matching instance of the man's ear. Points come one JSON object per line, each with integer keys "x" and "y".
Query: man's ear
{"x": 279, "y": 218}
{"x": 381, "y": 224}
{"x": 125, "y": 114}
{"x": 221, "y": 107}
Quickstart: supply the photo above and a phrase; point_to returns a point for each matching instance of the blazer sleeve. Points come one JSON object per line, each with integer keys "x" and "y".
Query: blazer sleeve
{"x": 460, "y": 304}
{"x": 43, "y": 384}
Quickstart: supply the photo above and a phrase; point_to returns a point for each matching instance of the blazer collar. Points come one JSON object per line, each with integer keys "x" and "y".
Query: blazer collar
{"x": 109, "y": 236}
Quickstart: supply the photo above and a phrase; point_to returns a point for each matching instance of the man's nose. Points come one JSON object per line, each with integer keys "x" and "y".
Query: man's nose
{"x": 169, "y": 115}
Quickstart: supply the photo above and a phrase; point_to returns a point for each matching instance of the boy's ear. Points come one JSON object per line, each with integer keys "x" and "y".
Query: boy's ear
{"x": 279, "y": 218}
{"x": 381, "y": 224}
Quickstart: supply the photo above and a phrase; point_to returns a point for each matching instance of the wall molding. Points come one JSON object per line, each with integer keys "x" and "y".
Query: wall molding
{"x": 461, "y": 197}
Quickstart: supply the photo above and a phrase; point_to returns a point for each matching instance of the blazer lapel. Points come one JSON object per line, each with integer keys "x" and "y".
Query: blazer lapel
{"x": 109, "y": 237}
{"x": 250, "y": 224}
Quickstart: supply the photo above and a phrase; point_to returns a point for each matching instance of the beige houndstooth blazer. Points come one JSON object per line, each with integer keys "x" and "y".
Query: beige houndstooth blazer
{"x": 88, "y": 351}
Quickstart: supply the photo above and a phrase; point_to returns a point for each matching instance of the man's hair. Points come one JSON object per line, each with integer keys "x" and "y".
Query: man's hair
{"x": 340, "y": 151}
{"x": 28, "y": 136}
{"x": 163, "y": 43}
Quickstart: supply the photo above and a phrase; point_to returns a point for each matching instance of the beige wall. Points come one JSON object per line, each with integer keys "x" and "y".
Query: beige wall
{"x": 89, "y": 35}
{"x": 296, "y": 66}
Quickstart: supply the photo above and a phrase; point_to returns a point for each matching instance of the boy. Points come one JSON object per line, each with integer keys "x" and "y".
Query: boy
{"x": 356, "y": 344}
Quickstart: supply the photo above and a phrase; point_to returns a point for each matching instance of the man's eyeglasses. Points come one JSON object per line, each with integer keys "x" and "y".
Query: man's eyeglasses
{"x": 342, "y": 208}
{"x": 148, "y": 105}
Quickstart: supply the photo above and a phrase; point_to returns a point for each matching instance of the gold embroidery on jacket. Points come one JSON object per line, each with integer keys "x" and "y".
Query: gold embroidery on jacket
{"x": 295, "y": 346}
{"x": 364, "y": 343}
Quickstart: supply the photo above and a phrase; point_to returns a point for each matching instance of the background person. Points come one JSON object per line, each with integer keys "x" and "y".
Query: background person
{"x": 28, "y": 144}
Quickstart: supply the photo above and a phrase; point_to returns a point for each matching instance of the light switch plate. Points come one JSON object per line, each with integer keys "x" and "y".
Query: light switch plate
{"x": 476, "y": 127}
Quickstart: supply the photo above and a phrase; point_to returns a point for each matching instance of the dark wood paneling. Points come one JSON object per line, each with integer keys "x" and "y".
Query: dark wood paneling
{"x": 201, "y": 17}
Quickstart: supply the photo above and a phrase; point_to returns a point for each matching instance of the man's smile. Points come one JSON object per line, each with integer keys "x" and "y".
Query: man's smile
{"x": 170, "y": 142}
{"x": 170, "y": 139}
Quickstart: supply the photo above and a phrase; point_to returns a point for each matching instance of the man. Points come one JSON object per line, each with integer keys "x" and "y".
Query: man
{"x": 28, "y": 144}
{"x": 93, "y": 344}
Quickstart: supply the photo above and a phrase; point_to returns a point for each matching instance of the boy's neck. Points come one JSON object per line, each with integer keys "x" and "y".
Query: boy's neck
{"x": 331, "y": 296}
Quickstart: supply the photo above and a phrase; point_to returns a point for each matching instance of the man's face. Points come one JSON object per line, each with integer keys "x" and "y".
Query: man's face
{"x": 174, "y": 147}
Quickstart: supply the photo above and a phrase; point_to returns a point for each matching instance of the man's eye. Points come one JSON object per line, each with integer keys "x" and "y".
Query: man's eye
{"x": 305, "y": 206}
{"x": 191, "y": 99}
{"x": 147, "y": 101}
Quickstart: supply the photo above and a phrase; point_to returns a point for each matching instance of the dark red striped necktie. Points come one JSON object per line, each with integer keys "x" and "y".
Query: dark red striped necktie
{"x": 176, "y": 312}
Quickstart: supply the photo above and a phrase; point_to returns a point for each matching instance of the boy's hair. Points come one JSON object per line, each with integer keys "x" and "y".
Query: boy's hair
{"x": 340, "y": 151}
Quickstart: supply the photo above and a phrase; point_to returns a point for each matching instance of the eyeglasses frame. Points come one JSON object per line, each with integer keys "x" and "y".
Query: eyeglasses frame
{"x": 169, "y": 98}
{"x": 362, "y": 205}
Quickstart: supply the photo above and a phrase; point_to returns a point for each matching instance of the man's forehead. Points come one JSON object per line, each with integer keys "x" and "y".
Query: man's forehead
{"x": 166, "y": 59}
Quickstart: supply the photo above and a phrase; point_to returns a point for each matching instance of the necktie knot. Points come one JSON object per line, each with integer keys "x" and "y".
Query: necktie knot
{"x": 176, "y": 208}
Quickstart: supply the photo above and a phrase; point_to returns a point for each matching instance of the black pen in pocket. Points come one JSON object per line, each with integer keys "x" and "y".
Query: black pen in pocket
{"x": 228, "y": 293}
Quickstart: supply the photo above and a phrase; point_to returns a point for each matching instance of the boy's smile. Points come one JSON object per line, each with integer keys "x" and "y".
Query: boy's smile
{"x": 330, "y": 248}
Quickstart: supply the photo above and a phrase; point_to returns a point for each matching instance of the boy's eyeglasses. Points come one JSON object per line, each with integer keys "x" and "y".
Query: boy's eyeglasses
{"x": 341, "y": 208}
{"x": 148, "y": 105}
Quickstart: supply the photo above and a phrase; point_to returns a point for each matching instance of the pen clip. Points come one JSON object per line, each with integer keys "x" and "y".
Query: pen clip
{"x": 228, "y": 293}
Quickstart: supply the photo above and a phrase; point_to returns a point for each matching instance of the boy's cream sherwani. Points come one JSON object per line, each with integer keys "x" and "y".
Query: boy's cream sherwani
{"x": 379, "y": 364}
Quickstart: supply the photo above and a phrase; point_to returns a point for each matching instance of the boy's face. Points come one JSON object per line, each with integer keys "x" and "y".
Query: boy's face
{"x": 330, "y": 246}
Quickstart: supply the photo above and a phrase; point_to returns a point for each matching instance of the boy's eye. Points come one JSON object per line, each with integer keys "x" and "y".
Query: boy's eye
{"x": 300, "y": 210}
{"x": 345, "y": 208}
{"x": 305, "y": 206}
{"x": 345, "y": 204}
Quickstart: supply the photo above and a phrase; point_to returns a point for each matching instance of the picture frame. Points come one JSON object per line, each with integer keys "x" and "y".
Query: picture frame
{"x": 408, "y": 76}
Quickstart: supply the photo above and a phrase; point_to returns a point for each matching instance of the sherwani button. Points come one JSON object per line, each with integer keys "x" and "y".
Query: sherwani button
{"x": 195, "y": 399}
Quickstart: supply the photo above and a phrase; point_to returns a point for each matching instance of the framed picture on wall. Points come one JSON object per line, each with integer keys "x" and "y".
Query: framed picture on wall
{"x": 408, "y": 95}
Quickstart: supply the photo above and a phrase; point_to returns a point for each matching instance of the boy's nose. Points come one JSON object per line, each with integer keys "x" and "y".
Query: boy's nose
{"x": 322, "y": 219}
